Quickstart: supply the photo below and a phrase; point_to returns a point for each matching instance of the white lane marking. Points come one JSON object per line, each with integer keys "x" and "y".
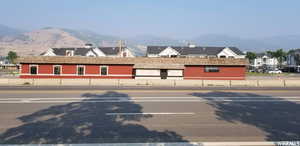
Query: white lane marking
{"x": 114, "y": 114}
{"x": 111, "y": 101}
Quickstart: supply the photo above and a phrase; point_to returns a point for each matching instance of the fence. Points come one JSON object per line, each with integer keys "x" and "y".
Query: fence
{"x": 150, "y": 83}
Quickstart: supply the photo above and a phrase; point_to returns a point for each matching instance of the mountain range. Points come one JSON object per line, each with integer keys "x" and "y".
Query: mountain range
{"x": 37, "y": 41}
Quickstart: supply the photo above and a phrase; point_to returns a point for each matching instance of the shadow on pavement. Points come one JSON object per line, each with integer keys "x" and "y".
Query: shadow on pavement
{"x": 280, "y": 119}
{"x": 86, "y": 122}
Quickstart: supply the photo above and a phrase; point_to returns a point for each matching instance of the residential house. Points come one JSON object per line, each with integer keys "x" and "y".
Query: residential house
{"x": 133, "y": 67}
{"x": 90, "y": 51}
{"x": 264, "y": 60}
{"x": 6, "y": 65}
{"x": 194, "y": 51}
{"x": 3, "y": 61}
{"x": 293, "y": 60}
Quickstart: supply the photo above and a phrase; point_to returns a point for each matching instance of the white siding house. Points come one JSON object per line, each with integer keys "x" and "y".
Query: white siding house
{"x": 194, "y": 51}
{"x": 90, "y": 51}
{"x": 265, "y": 60}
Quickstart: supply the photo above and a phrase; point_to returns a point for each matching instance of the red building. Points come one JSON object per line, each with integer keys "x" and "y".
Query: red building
{"x": 130, "y": 68}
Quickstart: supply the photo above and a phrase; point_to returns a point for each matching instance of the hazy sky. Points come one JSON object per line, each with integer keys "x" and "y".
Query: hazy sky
{"x": 175, "y": 18}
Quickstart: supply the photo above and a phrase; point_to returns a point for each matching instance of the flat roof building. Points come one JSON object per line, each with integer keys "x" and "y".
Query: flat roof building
{"x": 133, "y": 68}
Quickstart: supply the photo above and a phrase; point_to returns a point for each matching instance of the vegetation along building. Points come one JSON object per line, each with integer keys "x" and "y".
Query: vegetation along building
{"x": 133, "y": 67}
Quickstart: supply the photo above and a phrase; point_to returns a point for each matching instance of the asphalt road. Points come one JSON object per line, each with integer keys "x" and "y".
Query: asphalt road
{"x": 109, "y": 115}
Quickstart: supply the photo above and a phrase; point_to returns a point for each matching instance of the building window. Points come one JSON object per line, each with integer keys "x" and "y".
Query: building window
{"x": 211, "y": 69}
{"x": 80, "y": 70}
{"x": 57, "y": 70}
{"x": 223, "y": 56}
{"x": 33, "y": 69}
{"x": 104, "y": 70}
{"x": 264, "y": 60}
{"x": 69, "y": 52}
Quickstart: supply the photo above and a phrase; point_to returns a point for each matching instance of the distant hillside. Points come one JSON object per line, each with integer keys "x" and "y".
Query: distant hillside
{"x": 257, "y": 45}
{"x": 153, "y": 40}
{"x": 36, "y": 42}
{"x": 139, "y": 43}
{"x": 8, "y": 31}
{"x": 92, "y": 37}
{"x": 286, "y": 42}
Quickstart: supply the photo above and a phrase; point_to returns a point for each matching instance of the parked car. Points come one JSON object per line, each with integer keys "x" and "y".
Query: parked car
{"x": 276, "y": 71}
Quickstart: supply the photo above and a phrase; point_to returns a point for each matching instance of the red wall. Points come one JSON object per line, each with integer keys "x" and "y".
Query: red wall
{"x": 68, "y": 69}
{"x": 120, "y": 69}
{"x": 126, "y": 72}
{"x": 45, "y": 69}
{"x": 225, "y": 73}
{"x": 25, "y": 68}
{"x": 91, "y": 71}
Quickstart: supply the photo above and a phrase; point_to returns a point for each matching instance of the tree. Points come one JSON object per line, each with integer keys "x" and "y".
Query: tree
{"x": 12, "y": 56}
{"x": 279, "y": 54}
{"x": 251, "y": 56}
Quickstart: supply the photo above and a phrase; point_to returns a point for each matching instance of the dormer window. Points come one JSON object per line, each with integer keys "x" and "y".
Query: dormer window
{"x": 264, "y": 59}
{"x": 69, "y": 52}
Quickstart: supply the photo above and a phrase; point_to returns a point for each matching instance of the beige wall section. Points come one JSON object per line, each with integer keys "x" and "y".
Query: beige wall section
{"x": 166, "y": 83}
{"x": 144, "y": 72}
{"x": 47, "y": 82}
{"x": 244, "y": 83}
{"x": 292, "y": 83}
{"x": 104, "y": 82}
{"x": 175, "y": 72}
{"x": 189, "y": 83}
{"x": 175, "y": 78}
{"x": 150, "y": 82}
{"x": 148, "y": 78}
{"x": 75, "y": 82}
{"x": 125, "y": 82}
{"x": 20, "y": 81}
{"x": 4, "y": 81}
{"x": 270, "y": 83}
{"x": 218, "y": 83}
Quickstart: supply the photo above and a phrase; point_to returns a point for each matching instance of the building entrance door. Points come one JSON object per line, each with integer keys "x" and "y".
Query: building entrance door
{"x": 163, "y": 73}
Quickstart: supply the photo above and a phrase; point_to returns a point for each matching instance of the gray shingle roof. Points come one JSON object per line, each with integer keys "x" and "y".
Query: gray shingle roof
{"x": 77, "y": 51}
{"x": 84, "y": 51}
{"x": 192, "y": 50}
{"x": 110, "y": 50}
{"x": 236, "y": 50}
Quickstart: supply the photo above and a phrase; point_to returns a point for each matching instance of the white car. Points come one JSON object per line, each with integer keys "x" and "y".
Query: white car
{"x": 277, "y": 71}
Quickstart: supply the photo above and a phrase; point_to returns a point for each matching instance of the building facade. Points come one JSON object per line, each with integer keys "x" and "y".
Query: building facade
{"x": 265, "y": 60}
{"x": 194, "y": 51}
{"x": 133, "y": 68}
{"x": 293, "y": 60}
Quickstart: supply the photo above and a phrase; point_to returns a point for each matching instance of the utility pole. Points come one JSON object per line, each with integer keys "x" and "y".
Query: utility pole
{"x": 120, "y": 43}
